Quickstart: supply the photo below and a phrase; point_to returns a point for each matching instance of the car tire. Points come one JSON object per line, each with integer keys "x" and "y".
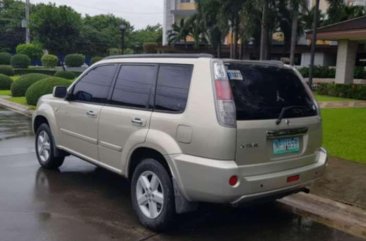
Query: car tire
{"x": 152, "y": 195}
{"x": 45, "y": 148}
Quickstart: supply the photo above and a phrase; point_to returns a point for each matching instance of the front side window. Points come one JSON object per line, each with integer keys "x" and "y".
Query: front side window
{"x": 173, "y": 87}
{"x": 95, "y": 85}
{"x": 135, "y": 86}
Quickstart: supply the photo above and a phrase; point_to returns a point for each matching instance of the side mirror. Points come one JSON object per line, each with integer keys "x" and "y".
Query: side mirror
{"x": 59, "y": 91}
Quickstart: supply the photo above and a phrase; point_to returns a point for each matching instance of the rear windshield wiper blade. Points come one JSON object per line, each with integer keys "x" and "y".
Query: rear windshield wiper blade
{"x": 286, "y": 108}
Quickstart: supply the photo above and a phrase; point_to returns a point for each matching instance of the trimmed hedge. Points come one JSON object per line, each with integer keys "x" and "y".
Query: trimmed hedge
{"x": 150, "y": 47}
{"x": 20, "y": 86}
{"x": 33, "y": 51}
{"x": 39, "y": 71}
{"x": 49, "y": 60}
{"x": 44, "y": 87}
{"x": 351, "y": 91}
{"x": 66, "y": 74}
{"x": 5, "y": 58}
{"x": 74, "y": 60}
{"x": 7, "y": 70}
{"x": 5, "y": 82}
{"x": 20, "y": 61}
{"x": 326, "y": 72}
{"x": 96, "y": 59}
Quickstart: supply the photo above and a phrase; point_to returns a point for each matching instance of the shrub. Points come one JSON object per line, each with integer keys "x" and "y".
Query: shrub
{"x": 74, "y": 60}
{"x": 318, "y": 72}
{"x": 352, "y": 91}
{"x": 150, "y": 47}
{"x": 49, "y": 60}
{"x": 65, "y": 74}
{"x": 7, "y": 70}
{"x": 44, "y": 87}
{"x": 128, "y": 51}
{"x": 34, "y": 52}
{"x": 359, "y": 72}
{"x": 5, "y": 82}
{"x": 5, "y": 58}
{"x": 20, "y": 86}
{"x": 20, "y": 61}
{"x": 96, "y": 59}
{"x": 114, "y": 51}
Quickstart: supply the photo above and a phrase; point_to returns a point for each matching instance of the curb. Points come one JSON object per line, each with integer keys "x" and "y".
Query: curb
{"x": 349, "y": 219}
{"x": 21, "y": 109}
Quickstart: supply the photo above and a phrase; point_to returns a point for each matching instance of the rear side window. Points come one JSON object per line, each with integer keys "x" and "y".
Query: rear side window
{"x": 95, "y": 85}
{"x": 173, "y": 87}
{"x": 260, "y": 92}
{"x": 134, "y": 86}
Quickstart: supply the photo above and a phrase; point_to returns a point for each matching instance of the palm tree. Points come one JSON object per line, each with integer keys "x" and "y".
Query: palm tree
{"x": 295, "y": 6}
{"x": 195, "y": 28}
{"x": 178, "y": 32}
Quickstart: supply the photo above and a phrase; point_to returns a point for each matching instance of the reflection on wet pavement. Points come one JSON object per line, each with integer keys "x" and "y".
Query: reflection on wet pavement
{"x": 83, "y": 202}
{"x": 13, "y": 125}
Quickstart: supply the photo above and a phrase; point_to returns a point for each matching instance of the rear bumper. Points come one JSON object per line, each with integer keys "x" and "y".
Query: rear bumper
{"x": 206, "y": 180}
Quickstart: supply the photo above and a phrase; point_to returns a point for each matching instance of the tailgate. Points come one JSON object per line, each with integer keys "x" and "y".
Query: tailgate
{"x": 261, "y": 142}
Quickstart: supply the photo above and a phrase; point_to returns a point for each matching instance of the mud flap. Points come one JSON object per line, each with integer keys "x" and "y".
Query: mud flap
{"x": 182, "y": 205}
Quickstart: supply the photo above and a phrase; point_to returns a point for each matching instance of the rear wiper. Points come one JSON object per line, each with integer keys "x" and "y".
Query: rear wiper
{"x": 284, "y": 109}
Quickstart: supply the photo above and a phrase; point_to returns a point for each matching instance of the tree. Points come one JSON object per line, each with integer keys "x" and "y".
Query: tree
{"x": 11, "y": 15}
{"x": 100, "y": 33}
{"x": 150, "y": 34}
{"x": 338, "y": 11}
{"x": 178, "y": 33}
{"x": 196, "y": 29}
{"x": 214, "y": 21}
{"x": 56, "y": 28}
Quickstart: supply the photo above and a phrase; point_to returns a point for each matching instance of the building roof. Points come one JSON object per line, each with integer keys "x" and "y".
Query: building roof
{"x": 353, "y": 29}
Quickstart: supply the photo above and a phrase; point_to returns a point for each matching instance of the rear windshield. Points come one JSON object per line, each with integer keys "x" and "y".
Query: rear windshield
{"x": 261, "y": 92}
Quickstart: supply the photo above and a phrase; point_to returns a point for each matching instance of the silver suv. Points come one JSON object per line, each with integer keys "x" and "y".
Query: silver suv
{"x": 186, "y": 129}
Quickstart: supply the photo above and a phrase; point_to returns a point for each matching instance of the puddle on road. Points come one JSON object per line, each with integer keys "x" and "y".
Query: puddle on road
{"x": 13, "y": 125}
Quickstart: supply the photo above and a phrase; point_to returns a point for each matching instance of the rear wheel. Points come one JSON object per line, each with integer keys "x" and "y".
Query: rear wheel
{"x": 152, "y": 195}
{"x": 45, "y": 149}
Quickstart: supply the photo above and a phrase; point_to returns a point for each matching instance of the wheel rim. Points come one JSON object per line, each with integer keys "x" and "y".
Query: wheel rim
{"x": 43, "y": 146}
{"x": 149, "y": 194}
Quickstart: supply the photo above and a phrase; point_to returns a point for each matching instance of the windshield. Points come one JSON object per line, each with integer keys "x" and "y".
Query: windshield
{"x": 261, "y": 92}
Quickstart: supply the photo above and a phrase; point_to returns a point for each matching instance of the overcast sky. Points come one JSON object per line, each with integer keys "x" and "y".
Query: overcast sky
{"x": 139, "y": 13}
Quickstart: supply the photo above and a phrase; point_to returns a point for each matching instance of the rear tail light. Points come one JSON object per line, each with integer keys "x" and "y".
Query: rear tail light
{"x": 224, "y": 102}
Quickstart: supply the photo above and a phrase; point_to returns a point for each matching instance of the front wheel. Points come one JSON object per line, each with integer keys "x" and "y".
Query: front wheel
{"x": 45, "y": 149}
{"x": 152, "y": 195}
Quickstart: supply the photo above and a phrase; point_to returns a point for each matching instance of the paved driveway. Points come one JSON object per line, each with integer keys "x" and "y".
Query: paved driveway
{"x": 83, "y": 202}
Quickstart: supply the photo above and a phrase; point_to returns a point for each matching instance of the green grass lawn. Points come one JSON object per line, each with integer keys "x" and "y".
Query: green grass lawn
{"x": 19, "y": 100}
{"x": 344, "y": 133}
{"x": 5, "y": 92}
{"x": 330, "y": 98}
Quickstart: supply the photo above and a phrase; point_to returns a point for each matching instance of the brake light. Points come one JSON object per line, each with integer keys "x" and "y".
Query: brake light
{"x": 224, "y": 102}
{"x": 223, "y": 91}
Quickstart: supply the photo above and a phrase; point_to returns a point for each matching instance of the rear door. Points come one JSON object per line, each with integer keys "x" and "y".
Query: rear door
{"x": 126, "y": 118}
{"x": 264, "y": 134}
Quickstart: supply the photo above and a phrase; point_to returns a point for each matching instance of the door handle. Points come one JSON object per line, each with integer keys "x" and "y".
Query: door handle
{"x": 91, "y": 113}
{"x": 137, "y": 121}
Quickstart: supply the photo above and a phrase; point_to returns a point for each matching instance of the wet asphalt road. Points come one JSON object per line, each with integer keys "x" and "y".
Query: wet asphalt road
{"x": 83, "y": 202}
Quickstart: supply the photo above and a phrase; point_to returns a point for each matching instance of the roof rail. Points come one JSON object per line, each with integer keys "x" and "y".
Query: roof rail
{"x": 160, "y": 56}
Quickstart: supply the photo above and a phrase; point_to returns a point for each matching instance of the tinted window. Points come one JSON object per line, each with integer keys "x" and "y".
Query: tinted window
{"x": 172, "y": 87}
{"x": 260, "y": 92}
{"x": 134, "y": 86}
{"x": 95, "y": 85}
